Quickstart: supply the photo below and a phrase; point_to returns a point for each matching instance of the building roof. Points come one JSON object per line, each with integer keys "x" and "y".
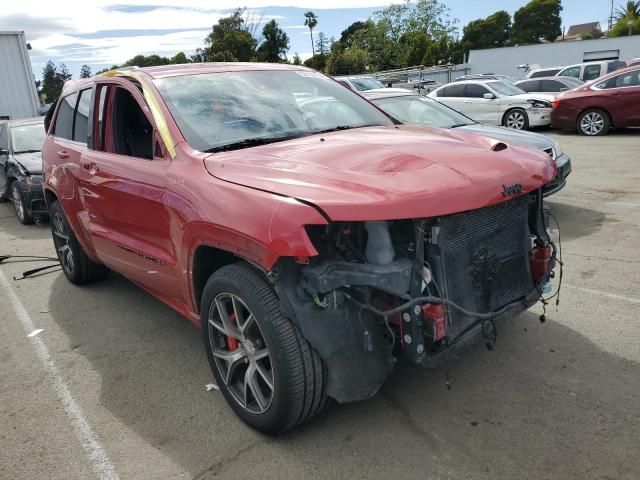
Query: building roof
{"x": 583, "y": 29}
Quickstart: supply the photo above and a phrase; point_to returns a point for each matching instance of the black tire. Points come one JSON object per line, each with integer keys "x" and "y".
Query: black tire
{"x": 297, "y": 373}
{"x": 516, "y": 118}
{"x": 594, "y": 123}
{"x": 4, "y": 191}
{"x": 77, "y": 267}
{"x": 18, "y": 203}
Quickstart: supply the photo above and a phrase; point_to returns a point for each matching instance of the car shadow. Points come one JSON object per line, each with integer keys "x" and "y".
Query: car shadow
{"x": 546, "y": 403}
{"x": 10, "y": 224}
{"x": 575, "y": 222}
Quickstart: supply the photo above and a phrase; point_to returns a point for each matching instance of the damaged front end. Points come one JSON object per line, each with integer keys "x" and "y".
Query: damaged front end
{"x": 423, "y": 287}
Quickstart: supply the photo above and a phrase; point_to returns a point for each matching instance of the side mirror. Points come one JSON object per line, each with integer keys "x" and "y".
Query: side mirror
{"x": 489, "y": 96}
{"x": 564, "y": 89}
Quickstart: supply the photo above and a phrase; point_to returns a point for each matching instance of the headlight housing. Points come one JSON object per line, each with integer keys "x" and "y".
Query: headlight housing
{"x": 539, "y": 104}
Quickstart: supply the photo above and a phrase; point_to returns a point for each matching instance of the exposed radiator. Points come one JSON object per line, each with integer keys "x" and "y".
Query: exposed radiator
{"x": 485, "y": 259}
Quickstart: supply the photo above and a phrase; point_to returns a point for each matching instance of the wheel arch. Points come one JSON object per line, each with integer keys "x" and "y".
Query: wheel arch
{"x": 511, "y": 109}
{"x": 49, "y": 197}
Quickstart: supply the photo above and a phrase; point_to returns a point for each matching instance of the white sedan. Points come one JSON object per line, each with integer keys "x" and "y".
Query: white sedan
{"x": 497, "y": 102}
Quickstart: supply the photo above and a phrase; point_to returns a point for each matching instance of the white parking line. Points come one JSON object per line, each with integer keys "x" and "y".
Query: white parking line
{"x": 95, "y": 452}
{"x": 606, "y": 294}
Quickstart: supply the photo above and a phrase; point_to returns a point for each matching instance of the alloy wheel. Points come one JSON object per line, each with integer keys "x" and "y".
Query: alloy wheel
{"x": 17, "y": 202}
{"x": 240, "y": 353}
{"x": 61, "y": 242}
{"x": 516, "y": 120}
{"x": 592, "y": 123}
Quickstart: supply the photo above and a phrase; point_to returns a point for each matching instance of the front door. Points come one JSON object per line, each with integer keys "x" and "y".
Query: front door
{"x": 124, "y": 190}
{"x": 481, "y": 109}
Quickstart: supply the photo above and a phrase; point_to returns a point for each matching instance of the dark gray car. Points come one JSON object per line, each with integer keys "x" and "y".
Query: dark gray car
{"x": 21, "y": 167}
{"x": 549, "y": 85}
{"x": 414, "y": 109}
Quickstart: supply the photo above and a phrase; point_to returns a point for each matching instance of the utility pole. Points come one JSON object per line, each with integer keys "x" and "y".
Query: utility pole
{"x": 610, "y": 18}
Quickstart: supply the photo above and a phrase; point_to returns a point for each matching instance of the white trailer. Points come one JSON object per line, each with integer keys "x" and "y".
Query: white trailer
{"x": 18, "y": 94}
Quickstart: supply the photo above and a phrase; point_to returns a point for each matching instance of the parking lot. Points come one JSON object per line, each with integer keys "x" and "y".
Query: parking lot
{"x": 115, "y": 381}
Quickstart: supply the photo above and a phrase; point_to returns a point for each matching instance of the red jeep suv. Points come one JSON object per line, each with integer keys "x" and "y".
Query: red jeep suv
{"x": 310, "y": 238}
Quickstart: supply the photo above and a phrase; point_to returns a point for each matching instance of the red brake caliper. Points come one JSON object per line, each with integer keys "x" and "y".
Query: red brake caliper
{"x": 232, "y": 343}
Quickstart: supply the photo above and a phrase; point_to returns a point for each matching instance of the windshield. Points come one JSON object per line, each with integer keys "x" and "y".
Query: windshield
{"x": 364, "y": 84}
{"x": 27, "y": 138}
{"x": 505, "y": 88}
{"x": 237, "y": 108}
{"x": 419, "y": 110}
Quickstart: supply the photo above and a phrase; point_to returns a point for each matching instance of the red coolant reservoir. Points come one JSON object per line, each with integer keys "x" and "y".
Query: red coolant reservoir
{"x": 435, "y": 313}
{"x": 540, "y": 261}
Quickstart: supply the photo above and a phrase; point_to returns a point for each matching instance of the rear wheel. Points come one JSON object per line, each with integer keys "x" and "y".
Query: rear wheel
{"x": 516, "y": 119}
{"x": 594, "y": 122}
{"x": 77, "y": 267}
{"x": 266, "y": 370}
{"x": 19, "y": 205}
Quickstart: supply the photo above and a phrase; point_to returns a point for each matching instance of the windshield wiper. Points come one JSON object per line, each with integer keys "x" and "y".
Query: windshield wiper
{"x": 27, "y": 151}
{"x": 252, "y": 142}
{"x": 344, "y": 127}
{"x": 460, "y": 125}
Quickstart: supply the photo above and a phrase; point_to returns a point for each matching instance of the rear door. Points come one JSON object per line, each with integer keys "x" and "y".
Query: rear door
{"x": 123, "y": 176}
{"x": 627, "y": 93}
{"x": 4, "y": 147}
{"x": 483, "y": 110}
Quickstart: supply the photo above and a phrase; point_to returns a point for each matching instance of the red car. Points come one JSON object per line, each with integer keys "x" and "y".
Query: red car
{"x": 611, "y": 101}
{"x": 309, "y": 237}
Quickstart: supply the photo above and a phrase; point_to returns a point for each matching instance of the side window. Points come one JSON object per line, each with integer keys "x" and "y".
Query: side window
{"x": 476, "y": 91}
{"x": 81, "y": 122}
{"x": 131, "y": 131}
{"x": 452, "y": 91}
{"x": 531, "y": 86}
{"x": 63, "y": 127}
{"x": 630, "y": 79}
{"x": 570, "y": 72}
{"x": 553, "y": 86}
{"x": 4, "y": 140}
{"x": 591, "y": 72}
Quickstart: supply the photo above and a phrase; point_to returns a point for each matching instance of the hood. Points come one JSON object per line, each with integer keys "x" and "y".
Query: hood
{"x": 535, "y": 96}
{"x": 31, "y": 161}
{"x": 384, "y": 173}
{"x": 509, "y": 135}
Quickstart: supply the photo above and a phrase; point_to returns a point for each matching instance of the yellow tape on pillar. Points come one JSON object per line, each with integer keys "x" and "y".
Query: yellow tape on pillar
{"x": 156, "y": 112}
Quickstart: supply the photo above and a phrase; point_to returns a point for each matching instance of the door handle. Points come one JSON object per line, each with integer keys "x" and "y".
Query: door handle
{"x": 63, "y": 154}
{"x": 90, "y": 167}
{"x": 467, "y": 101}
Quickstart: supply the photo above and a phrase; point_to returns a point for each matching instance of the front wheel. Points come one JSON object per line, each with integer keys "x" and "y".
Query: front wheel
{"x": 594, "y": 123}
{"x": 77, "y": 267}
{"x": 19, "y": 205}
{"x": 516, "y": 119}
{"x": 268, "y": 373}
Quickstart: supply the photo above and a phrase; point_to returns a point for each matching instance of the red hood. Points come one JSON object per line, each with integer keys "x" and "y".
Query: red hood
{"x": 380, "y": 173}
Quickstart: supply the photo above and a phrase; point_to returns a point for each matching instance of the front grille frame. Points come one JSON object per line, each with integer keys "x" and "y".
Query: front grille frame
{"x": 482, "y": 259}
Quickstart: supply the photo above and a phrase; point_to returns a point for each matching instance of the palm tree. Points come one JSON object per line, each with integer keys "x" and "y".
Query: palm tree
{"x": 631, "y": 11}
{"x": 311, "y": 21}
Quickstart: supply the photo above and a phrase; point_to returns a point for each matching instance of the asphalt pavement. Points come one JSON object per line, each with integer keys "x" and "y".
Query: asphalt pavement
{"x": 113, "y": 386}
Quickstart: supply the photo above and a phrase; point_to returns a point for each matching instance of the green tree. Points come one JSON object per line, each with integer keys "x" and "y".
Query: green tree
{"x": 85, "y": 71}
{"x": 53, "y": 79}
{"x": 275, "y": 44}
{"x": 317, "y": 62}
{"x": 416, "y": 46}
{"x": 383, "y": 52}
{"x": 346, "y": 34}
{"x": 493, "y": 31}
{"x": 296, "y": 59}
{"x": 323, "y": 44}
{"x": 348, "y": 61}
{"x": 630, "y": 11}
{"x": 538, "y": 19}
{"x": 229, "y": 39}
{"x": 627, "y": 20}
{"x": 147, "y": 61}
{"x": 310, "y": 20}
{"x": 178, "y": 58}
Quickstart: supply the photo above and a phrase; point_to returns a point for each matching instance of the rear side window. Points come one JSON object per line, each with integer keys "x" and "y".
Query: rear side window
{"x": 532, "y": 86}
{"x": 64, "y": 120}
{"x": 452, "y": 91}
{"x": 591, "y": 72}
{"x": 4, "y": 142}
{"x": 544, "y": 73}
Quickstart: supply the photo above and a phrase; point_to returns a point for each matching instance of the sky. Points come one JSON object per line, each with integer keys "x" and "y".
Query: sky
{"x": 101, "y": 33}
